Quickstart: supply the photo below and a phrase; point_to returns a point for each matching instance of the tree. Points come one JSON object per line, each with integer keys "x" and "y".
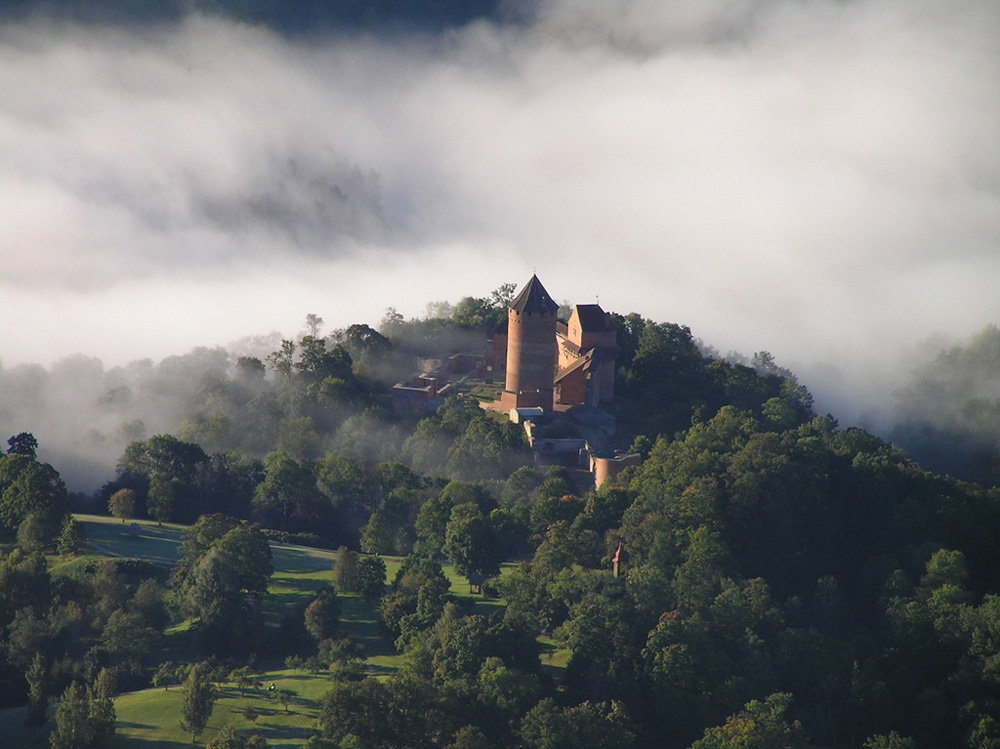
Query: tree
{"x": 469, "y": 737}
{"x": 471, "y": 542}
{"x": 28, "y": 487}
{"x": 244, "y": 678}
{"x": 166, "y": 674}
{"x": 250, "y": 369}
{"x": 285, "y": 697}
{"x": 313, "y": 324}
{"x": 38, "y": 693}
{"x": 163, "y": 496}
{"x": 128, "y": 639}
{"x": 23, "y": 443}
{"x": 431, "y": 524}
{"x": 163, "y": 454}
{"x": 101, "y": 698}
{"x": 198, "y": 700}
{"x": 371, "y": 579}
{"x": 322, "y": 614}
{"x": 73, "y": 539}
{"x": 585, "y": 726}
{"x": 345, "y": 570}
{"x": 760, "y": 724}
{"x": 73, "y": 726}
{"x": 121, "y": 504}
{"x": 250, "y": 555}
{"x": 375, "y": 535}
{"x": 288, "y": 497}
{"x": 32, "y": 534}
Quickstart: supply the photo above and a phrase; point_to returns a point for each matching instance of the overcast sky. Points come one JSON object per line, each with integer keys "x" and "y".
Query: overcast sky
{"x": 819, "y": 179}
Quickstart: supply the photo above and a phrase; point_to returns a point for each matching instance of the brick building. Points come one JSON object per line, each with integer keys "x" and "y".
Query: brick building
{"x": 547, "y": 361}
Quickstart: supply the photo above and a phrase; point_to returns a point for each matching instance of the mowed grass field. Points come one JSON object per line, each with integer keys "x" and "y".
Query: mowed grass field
{"x": 151, "y": 717}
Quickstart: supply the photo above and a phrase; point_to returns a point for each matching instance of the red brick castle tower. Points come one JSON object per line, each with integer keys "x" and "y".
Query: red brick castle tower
{"x": 531, "y": 348}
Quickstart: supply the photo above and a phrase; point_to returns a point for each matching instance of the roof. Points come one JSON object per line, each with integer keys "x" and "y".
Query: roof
{"x": 582, "y": 363}
{"x": 593, "y": 318}
{"x": 534, "y": 299}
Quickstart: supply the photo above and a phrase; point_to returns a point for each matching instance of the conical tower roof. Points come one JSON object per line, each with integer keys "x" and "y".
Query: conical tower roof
{"x": 534, "y": 299}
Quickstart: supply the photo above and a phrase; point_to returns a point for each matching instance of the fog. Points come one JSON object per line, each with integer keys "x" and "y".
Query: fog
{"x": 818, "y": 179}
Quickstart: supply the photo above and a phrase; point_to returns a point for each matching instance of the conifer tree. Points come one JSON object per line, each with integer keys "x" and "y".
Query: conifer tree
{"x": 73, "y": 727}
{"x": 38, "y": 693}
{"x": 73, "y": 539}
{"x": 101, "y": 696}
{"x": 199, "y": 699}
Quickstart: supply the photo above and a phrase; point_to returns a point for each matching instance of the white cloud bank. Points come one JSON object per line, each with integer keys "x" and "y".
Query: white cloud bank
{"x": 820, "y": 179}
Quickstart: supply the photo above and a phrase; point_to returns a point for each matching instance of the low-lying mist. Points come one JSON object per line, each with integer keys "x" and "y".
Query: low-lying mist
{"x": 820, "y": 180}
{"x": 943, "y": 413}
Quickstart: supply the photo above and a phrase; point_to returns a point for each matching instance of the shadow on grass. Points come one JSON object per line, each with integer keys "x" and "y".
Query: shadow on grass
{"x": 363, "y": 626}
{"x": 295, "y": 585}
{"x": 271, "y": 732}
{"x": 302, "y": 677}
{"x": 135, "y": 742}
{"x": 299, "y": 560}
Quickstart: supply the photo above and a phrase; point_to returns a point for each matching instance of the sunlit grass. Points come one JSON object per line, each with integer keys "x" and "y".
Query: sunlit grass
{"x": 151, "y": 717}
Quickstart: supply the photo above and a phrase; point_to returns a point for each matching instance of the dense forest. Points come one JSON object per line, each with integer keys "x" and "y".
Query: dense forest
{"x": 779, "y": 581}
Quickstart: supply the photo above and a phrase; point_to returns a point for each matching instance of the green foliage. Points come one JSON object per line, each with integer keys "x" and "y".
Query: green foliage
{"x": 345, "y": 570}
{"x": 322, "y": 614}
{"x": 199, "y": 697}
{"x": 288, "y": 498}
{"x": 29, "y": 489}
{"x": 891, "y": 741}
{"x": 121, "y": 504}
{"x": 73, "y": 539}
{"x": 226, "y": 565}
{"x": 375, "y": 536}
{"x": 760, "y": 724}
{"x": 947, "y": 412}
{"x": 584, "y": 726}
{"x": 101, "y": 695}
{"x": 166, "y": 674}
{"x": 396, "y": 712}
{"x": 250, "y": 555}
{"x": 38, "y": 693}
{"x": 471, "y": 542}
{"x": 370, "y": 579}
{"x": 23, "y": 443}
{"x": 285, "y": 697}
{"x": 73, "y": 729}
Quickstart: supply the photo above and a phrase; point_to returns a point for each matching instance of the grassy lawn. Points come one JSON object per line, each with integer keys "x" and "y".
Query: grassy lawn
{"x": 151, "y": 717}
{"x": 154, "y": 542}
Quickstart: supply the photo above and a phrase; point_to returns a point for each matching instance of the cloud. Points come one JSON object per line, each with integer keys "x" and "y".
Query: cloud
{"x": 820, "y": 179}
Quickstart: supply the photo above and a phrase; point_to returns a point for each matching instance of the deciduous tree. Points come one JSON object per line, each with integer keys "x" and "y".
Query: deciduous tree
{"x": 121, "y": 504}
{"x": 370, "y": 578}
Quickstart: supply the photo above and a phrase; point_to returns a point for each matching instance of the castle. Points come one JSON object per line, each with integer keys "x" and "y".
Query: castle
{"x": 549, "y": 363}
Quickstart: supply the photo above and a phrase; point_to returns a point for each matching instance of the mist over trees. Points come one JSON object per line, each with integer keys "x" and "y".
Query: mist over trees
{"x": 949, "y": 413}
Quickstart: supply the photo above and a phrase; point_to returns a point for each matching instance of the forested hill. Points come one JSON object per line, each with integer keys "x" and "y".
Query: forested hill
{"x": 782, "y": 581}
